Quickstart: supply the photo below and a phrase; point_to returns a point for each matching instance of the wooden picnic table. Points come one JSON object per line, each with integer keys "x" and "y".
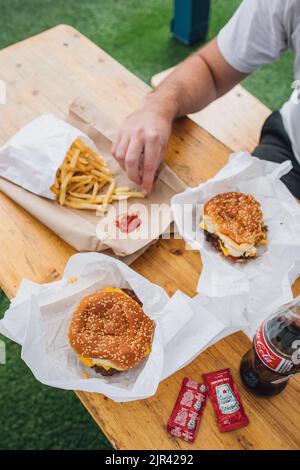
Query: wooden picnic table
{"x": 45, "y": 74}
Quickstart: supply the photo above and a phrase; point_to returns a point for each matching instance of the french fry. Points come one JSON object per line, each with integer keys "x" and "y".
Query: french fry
{"x": 81, "y": 178}
{"x": 131, "y": 194}
{"x": 77, "y": 195}
{"x": 119, "y": 197}
{"x": 81, "y": 205}
{"x": 63, "y": 187}
{"x": 122, "y": 190}
{"x": 88, "y": 187}
{"x": 101, "y": 184}
{"x": 103, "y": 169}
{"x": 85, "y": 198}
{"x": 56, "y": 183}
{"x": 102, "y": 175}
{"x": 79, "y": 188}
{"x": 79, "y": 144}
{"x": 74, "y": 159}
{"x": 66, "y": 180}
{"x": 95, "y": 190}
{"x": 55, "y": 190}
{"x": 108, "y": 195}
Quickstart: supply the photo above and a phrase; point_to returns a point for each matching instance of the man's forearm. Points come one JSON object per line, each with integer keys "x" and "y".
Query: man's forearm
{"x": 195, "y": 83}
{"x": 189, "y": 87}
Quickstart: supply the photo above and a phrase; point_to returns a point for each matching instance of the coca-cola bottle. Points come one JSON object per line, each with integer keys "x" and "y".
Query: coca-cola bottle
{"x": 275, "y": 354}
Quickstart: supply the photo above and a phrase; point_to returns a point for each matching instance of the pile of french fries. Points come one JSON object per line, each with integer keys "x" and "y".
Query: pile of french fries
{"x": 84, "y": 181}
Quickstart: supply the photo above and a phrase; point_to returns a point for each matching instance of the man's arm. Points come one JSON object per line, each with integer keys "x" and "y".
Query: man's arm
{"x": 194, "y": 84}
{"x": 199, "y": 80}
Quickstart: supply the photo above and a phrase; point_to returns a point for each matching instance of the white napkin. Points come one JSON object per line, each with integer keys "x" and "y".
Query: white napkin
{"x": 32, "y": 156}
{"x": 264, "y": 282}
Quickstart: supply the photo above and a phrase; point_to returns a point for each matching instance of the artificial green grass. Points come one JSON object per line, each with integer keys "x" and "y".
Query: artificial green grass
{"x": 137, "y": 34}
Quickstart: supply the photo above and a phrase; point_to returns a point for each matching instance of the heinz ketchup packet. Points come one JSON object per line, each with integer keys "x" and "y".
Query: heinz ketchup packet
{"x": 187, "y": 413}
{"x": 226, "y": 401}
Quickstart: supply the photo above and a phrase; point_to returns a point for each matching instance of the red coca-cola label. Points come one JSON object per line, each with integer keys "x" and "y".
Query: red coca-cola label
{"x": 268, "y": 356}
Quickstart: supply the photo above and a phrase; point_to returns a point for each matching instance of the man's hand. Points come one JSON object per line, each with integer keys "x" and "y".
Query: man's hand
{"x": 141, "y": 143}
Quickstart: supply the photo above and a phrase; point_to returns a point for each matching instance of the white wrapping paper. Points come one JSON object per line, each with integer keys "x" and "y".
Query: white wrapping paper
{"x": 40, "y": 315}
{"x": 265, "y": 282}
{"x": 32, "y": 156}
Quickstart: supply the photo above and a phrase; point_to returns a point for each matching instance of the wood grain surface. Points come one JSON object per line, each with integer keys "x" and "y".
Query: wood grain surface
{"x": 45, "y": 74}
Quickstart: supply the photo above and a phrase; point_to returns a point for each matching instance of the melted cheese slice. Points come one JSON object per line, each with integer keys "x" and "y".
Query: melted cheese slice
{"x": 224, "y": 250}
{"x": 105, "y": 363}
{"x": 112, "y": 289}
{"x": 90, "y": 362}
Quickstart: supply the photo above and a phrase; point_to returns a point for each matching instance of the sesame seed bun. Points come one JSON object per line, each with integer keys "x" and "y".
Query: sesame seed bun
{"x": 112, "y": 328}
{"x": 238, "y": 216}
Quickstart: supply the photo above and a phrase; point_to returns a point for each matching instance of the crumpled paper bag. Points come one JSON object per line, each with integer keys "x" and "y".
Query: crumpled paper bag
{"x": 265, "y": 282}
{"x": 28, "y": 164}
{"x": 39, "y": 318}
{"x": 31, "y": 157}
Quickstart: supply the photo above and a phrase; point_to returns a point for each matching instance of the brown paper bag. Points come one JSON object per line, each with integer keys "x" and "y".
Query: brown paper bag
{"x": 80, "y": 228}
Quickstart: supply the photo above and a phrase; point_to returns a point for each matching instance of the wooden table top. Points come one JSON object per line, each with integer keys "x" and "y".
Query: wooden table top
{"x": 45, "y": 74}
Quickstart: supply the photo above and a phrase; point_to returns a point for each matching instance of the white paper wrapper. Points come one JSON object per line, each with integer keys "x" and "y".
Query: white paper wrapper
{"x": 40, "y": 315}
{"x": 264, "y": 283}
{"x": 32, "y": 156}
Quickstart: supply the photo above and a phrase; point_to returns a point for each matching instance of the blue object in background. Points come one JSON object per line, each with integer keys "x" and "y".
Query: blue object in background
{"x": 190, "y": 21}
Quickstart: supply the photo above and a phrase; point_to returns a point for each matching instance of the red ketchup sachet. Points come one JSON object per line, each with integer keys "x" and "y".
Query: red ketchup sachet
{"x": 226, "y": 401}
{"x": 187, "y": 412}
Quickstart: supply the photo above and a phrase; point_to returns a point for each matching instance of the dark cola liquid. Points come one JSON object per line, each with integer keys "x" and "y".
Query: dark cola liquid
{"x": 281, "y": 332}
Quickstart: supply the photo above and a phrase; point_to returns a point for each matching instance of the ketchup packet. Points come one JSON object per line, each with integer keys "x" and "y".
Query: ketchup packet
{"x": 187, "y": 412}
{"x": 226, "y": 401}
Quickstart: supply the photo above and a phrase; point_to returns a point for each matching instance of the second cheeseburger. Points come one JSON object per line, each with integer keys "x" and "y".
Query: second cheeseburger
{"x": 110, "y": 332}
{"x": 233, "y": 223}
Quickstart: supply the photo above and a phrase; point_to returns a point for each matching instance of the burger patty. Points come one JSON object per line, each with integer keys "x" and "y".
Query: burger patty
{"x": 214, "y": 240}
{"x": 105, "y": 372}
{"x": 133, "y": 295}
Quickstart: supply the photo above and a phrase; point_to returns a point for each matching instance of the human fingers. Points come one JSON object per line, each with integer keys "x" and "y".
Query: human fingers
{"x": 133, "y": 159}
{"x": 151, "y": 162}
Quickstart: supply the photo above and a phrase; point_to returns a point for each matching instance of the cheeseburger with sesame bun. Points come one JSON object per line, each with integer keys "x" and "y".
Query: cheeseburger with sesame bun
{"x": 233, "y": 223}
{"x": 110, "y": 332}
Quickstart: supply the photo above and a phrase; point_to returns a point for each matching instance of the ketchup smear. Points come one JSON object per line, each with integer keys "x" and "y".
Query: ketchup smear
{"x": 128, "y": 222}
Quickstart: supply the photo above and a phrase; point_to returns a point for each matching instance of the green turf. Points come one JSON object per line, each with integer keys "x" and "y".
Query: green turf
{"x": 137, "y": 34}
